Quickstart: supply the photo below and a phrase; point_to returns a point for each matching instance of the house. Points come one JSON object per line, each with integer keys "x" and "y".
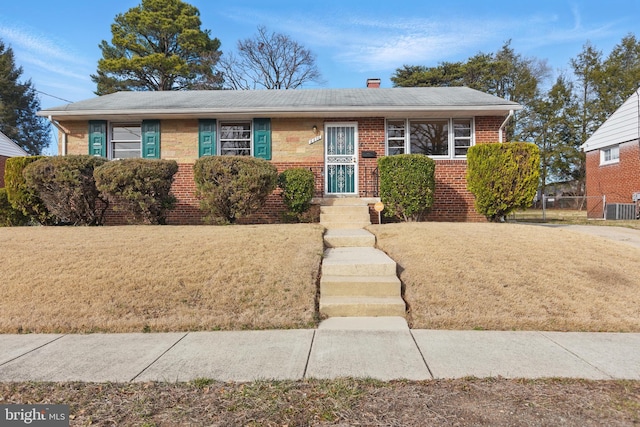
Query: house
{"x": 8, "y": 148}
{"x": 336, "y": 133}
{"x": 613, "y": 158}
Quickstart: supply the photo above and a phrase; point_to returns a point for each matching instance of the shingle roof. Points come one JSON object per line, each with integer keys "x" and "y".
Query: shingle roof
{"x": 284, "y": 102}
{"x": 8, "y": 148}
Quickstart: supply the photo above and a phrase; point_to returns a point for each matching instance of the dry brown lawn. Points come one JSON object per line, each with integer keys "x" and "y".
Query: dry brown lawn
{"x": 158, "y": 278}
{"x": 511, "y": 276}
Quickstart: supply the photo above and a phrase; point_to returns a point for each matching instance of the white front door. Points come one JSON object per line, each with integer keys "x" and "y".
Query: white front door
{"x": 341, "y": 158}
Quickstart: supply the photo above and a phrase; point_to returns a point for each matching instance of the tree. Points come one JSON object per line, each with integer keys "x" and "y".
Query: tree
{"x": 18, "y": 106}
{"x": 620, "y": 74}
{"x": 158, "y": 45}
{"x": 587, "y": 67}
{"x": 269, "y": 61}
{"x": 504, "y": 74}
{"x": 552, "y": 128}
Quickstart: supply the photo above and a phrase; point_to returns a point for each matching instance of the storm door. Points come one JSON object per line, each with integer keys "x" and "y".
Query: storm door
{"x": 341, "y": 159}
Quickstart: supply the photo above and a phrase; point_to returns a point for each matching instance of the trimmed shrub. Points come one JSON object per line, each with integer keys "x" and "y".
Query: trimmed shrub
{"x": 68, "y": 189}
{"x": 10, "y": 216}
{"x": 23, "y": 197}
{"x": 503, "y": 177}
{"x": 407, "y": 185}
{"x": 231, "y": 187}
{"x": 139, "y": 187}
{"x": 297, "y": 186}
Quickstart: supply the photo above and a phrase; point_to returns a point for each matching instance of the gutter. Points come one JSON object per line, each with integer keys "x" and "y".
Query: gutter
{"x": 503, "y": 125}
{"x": 64, "y": 131}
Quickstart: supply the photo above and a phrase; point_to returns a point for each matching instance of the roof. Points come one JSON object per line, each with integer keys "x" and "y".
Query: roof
{"x": 622, "y": 126}
{"x": 286, "y": 103}
{"x": 8, "y": 148}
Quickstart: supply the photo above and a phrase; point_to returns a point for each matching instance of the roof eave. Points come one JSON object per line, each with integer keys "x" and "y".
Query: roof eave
{"x": 278, "y": 112}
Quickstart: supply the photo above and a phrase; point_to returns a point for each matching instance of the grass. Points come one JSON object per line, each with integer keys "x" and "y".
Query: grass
{"x": 158, "y": 278}
{"x": 462, "y": 402}
{"x": 513, "y": 277}
{"x": 455, "y": 276}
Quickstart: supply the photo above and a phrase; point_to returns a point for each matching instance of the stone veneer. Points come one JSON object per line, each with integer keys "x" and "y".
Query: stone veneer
{"x": 291, "y": 148}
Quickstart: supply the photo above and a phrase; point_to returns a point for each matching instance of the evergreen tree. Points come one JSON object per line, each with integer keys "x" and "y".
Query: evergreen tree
{"x": 505, "y": 74}
{"x": 18, "y": 106}
{"x": 158, "y": 45}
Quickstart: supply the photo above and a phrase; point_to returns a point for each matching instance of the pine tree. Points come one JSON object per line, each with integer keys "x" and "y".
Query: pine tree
{"x": 158, "y": 45}
{"x": 18, "y": 106}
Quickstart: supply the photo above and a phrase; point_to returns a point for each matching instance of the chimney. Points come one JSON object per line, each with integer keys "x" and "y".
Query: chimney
{"x": 373, "y": 83}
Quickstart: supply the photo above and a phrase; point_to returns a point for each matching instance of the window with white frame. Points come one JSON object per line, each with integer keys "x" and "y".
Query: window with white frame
{"x": 235, "y": 138}
{"x": 610, "y": 155}
{"x": 434, "y": 137}
{"x": 125, "y": 140}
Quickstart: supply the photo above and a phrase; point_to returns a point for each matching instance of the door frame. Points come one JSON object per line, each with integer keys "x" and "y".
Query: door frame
{"x": 354, "y": 125}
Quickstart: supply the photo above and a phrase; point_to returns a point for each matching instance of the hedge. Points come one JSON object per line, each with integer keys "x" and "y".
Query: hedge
{"x": 503, "y": 177}
{"x": 139, "y": 187}
{"x": 68, "y": 189}
{"x": 231, "y": 187}
{"x": 298, "y": 185}
{"x": 407, "y": 185}
{"x": 23, "y": 197}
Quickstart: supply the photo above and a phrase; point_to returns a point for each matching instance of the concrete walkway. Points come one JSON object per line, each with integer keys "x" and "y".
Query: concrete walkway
{"x": 382, "y": 348}
{"x": 627, "y": 236}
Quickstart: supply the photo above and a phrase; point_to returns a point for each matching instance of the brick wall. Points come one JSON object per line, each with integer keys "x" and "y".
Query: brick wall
{"x": 3, "y": 160}
{"x": 617, "y": 181}
{"x": 291, "y": 148}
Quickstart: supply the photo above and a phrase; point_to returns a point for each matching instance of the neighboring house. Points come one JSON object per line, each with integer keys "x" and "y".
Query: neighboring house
{"x": 336, "y": 133}
{"x": 8, "y": 148}
{"x": 613, "y": 158}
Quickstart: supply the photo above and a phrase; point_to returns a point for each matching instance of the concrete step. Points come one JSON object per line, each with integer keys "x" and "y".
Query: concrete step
{"x": 362, "y": 306}
{"x": 344, "y": 201}
{"x": 345, "y": 210}
{"x": 342, "y": 225}
{"x": 363, "y": 286}
{"x": 357, "y": 262}
{"x": 335, "y": 217}
{"x": 343, "y": 238}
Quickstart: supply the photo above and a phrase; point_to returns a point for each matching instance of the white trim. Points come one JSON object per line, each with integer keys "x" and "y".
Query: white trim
{"x": 219, "y": 134}
{"x": 451, "y": 148}
{"x": 612, "y": 149}
{"x": 356, "y": 145}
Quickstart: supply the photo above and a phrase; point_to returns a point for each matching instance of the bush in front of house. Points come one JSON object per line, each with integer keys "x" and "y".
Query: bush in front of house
{"x": 139, "y": 187}
{"x": 23, "y": 197}
{"x": 297, "y": 186}
{"x": 68, "y": 189}
{"x": 407, "y": 185}
{"x": 231, "y": 187}
{"x": 503, "y": 177}
{"x": 10, "y": 216}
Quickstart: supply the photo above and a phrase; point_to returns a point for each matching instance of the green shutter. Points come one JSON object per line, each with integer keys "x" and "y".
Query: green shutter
{"x": 98, "y": 138}
{"x": 206, "y": 137}
{"x": 151, "y": 139}
{"x": 262, "y": 138}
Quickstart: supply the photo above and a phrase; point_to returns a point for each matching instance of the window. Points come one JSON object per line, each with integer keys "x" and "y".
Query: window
{"x": 395, "y": 137}
{"x": 610, "y": 155}
{"x": 235, "y": 138}
{"x": 433, "y": 137}
{"x": 125, "y": 141}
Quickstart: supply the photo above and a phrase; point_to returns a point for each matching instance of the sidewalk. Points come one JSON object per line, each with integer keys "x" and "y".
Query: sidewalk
{"x": 381, "y": 348}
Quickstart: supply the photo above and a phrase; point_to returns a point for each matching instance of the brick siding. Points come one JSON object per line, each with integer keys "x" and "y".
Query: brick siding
{"x": 291, "y": 148}
{"x": 617, "y": 181}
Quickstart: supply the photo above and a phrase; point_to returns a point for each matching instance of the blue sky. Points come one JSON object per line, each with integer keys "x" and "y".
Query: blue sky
{"x": 56, "y": 42}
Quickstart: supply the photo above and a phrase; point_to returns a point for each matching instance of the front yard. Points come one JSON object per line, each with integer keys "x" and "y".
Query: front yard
{"x": 166, "y": 278}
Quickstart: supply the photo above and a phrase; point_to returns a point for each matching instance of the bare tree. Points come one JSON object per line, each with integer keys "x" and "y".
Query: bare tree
{"x": 269, "y": 61}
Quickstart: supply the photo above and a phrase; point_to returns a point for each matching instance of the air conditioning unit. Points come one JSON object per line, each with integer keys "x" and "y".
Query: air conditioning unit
{"x": 620, "y": 211}
{"x": 635, "y": 197}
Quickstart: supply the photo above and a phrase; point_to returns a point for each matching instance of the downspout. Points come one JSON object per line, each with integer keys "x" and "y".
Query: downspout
{"x": 503, "y": 125}
{"x": 64, "y": 135}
